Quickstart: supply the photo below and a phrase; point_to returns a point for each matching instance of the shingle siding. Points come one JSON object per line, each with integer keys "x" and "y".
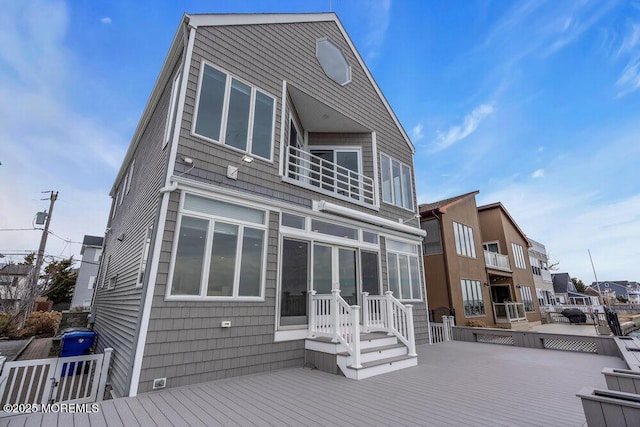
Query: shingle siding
{"x": 118, "y": 310}
{"x": 186, "y": 343}
{"x": 264, "y": 56}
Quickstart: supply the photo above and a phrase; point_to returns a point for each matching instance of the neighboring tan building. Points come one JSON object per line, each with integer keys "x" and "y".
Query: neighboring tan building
{"x": 267, "y": 173}
{"x": 83, "y": 291}
{"x": 475, "y": 264}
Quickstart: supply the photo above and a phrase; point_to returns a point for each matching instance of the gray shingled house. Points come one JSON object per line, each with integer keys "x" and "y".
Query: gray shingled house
{"x": 264, "y": 215}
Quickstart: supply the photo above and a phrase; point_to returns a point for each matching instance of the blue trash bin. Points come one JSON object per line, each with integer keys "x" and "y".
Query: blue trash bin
{"x": 76, "y": 343}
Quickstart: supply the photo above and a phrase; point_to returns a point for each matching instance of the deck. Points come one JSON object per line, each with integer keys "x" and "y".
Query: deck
{"x": 456, "y": 383}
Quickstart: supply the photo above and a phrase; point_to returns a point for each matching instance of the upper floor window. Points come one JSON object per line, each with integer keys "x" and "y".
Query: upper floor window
{"x": 465, "y": 244}
{"x": 173, "y": 102}
{"x": 333, "y": 62}
{"x": 518, "y": 254}
{"x": 432, "y": 243}
{"x": 491, "y": 247}
{"x": 535, "y": 266}
{"x": 233, "y": 113}
{"x": 397, "y": 187}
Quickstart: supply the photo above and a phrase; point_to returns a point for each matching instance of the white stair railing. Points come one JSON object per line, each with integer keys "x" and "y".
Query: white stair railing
{"x": 386, "y": 313}
{"x": 331, "y": 316}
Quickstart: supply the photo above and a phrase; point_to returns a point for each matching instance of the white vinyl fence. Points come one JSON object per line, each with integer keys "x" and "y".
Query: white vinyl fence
{"x": 441, "y": 332}
{"x": 76, "y": 379}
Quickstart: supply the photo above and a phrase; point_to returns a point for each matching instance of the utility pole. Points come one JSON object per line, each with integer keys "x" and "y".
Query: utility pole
{"x": 43, "y": 242}
{"x": 594, "y": 272}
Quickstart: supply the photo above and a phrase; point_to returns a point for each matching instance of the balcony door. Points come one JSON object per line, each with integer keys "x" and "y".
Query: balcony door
{"x": 337, "y": 170}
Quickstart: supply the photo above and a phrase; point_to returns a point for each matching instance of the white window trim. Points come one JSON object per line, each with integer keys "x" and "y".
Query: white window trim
{"x": 129, "y": 177}
{"x": 527, "y": 289}
{"x": 344, "y": 56}
{"x": 518, "y": 256}
{"x": 462, "y": 279}
{"x": 207, "y": 255}
{"x": 497, "y": 242}
{"x": 225, "y": 113}
{"x": 173, "y": 103}
{"x": 112, "y": 282}
{"x": 92, "y": 282}
{"x": 393, "y": 196}
{"x": 144, "y": 256}
{"x": 408, "y": 255}
{"x": 464, "y": 247}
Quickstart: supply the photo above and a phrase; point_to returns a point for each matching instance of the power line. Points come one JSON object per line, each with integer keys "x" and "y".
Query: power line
{"x": 20, "y": 229}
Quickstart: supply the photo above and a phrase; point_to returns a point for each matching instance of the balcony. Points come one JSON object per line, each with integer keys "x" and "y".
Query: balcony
{"x": 546, "y": 276}
{"x": 319, "y": 174}
{"x": 496, "y": 260}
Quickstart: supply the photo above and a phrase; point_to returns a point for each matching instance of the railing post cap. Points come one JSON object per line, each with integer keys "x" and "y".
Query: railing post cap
{"x": 335, "y": 291}
{"x": 388, "y": 293}
{"x": 313, "y": 292}
{"x": 366, "y": 294}
{"x": 355, "y": 307}
{"x": 408, "y": 306}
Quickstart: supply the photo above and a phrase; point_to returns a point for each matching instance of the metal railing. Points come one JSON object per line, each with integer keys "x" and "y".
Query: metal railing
{"x": 496, "y": 260}
{"x": 508, "y": 312}
{"x": 385, "y": 313}
{"x": 328, "y": 177}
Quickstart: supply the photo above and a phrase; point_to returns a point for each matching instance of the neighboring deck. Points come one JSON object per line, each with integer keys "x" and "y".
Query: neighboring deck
{"x": 456, "y": 383}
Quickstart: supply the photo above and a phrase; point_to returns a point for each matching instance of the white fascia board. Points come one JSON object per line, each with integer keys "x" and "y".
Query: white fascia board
{"x": 324, "y": 206}
{"x": 213, "y": 20}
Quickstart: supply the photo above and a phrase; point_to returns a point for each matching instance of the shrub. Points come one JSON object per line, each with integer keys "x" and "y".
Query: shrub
{"x": 477, "y": 323}
{"x": 41, "y": 323}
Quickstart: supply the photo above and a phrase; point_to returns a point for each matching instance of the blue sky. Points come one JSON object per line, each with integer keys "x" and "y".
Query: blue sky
{"x": 536, "y": 104}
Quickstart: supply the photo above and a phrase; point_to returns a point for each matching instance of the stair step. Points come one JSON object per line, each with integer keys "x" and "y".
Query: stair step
{"x": 387, "y": 361}
{"x": 375, "y": 349}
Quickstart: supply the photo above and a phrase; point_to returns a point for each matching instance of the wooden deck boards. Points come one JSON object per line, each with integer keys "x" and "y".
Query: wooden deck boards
{"x": 455, "y": 383}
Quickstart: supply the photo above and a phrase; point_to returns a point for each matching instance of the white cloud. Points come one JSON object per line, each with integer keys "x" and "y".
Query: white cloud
{"x": 377, "y": 16}
{"x": 417, "y": 133}
{"x": 629, "y": 80}
{"x": 47, "y": 143}
{"x": 459, "y": 132}
{"x": 574, "y": 209}
{"x": 538, "y": 174}
{"x": 106, "y": 20}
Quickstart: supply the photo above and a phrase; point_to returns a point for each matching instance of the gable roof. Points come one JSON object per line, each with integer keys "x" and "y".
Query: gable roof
{"x": 15, "y": 270}
{"x": 197, "y": 20}
{"x": 442, "y": 205}
{"x": 500, "y": 206}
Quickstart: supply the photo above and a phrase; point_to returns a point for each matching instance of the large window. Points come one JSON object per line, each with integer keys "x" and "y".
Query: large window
{"x": 233, "y": 113}
{"x": 403, "y": 270}
{"x": 472, "y": 298}
{"x": 518, "y": 254}
{"x": 465, "y": 243}
{"x": 432, "y": 243}
{"x": 527, "y": 298}
{"x": 220, "y": 250}
{"x": 397, "y": 187}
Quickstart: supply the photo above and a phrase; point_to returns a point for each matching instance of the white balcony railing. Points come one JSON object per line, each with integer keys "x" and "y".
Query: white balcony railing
{"x": 496, "y": 260}
{"x": 327, "y": 177}
{"x": 509, "y": 312}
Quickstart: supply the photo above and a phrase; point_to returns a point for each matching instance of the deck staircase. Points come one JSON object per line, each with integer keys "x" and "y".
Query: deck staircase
{"x": 383, "y": 343}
